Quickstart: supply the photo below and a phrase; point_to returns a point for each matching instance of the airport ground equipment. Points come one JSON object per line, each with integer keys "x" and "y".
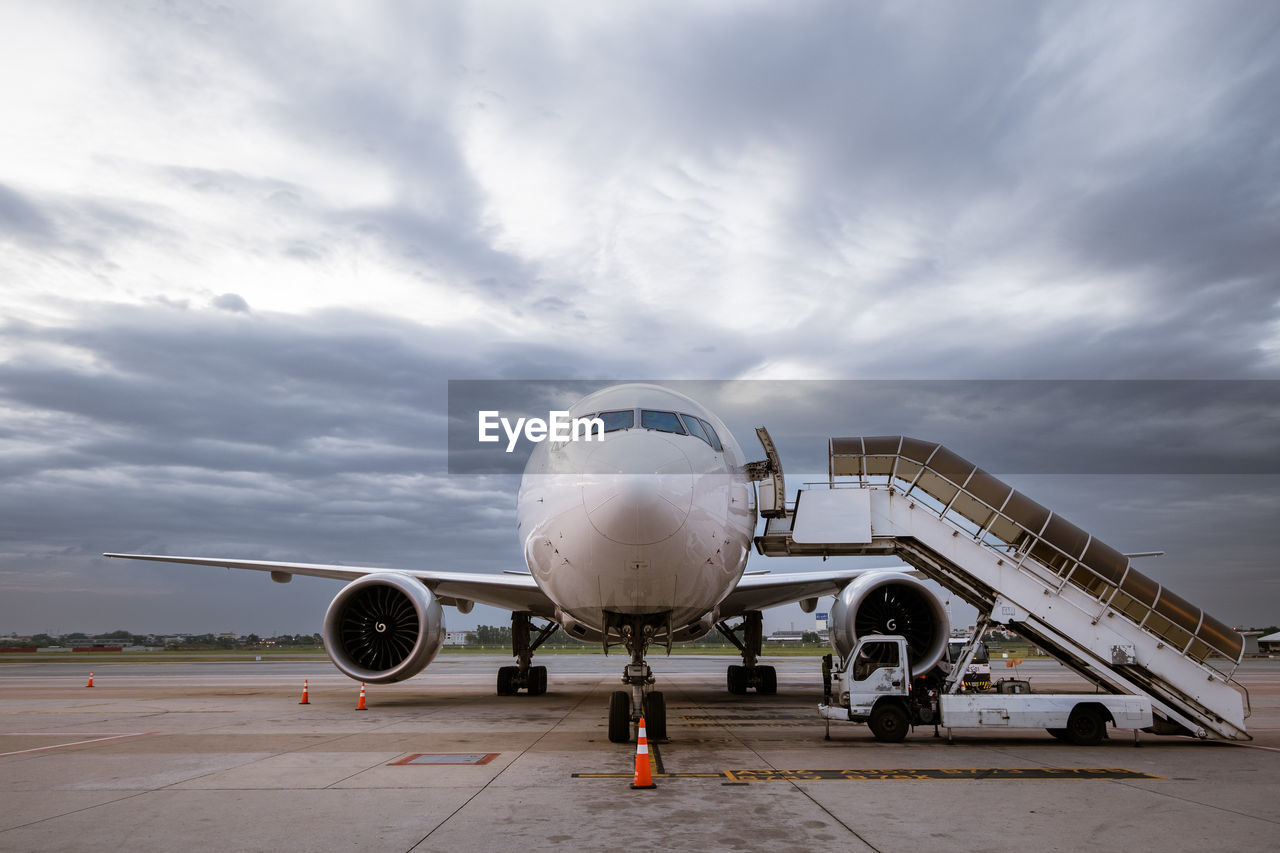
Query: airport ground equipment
{"x": 977, "y": 674}
{"x": 876, "y": 686}
{"x": 1026, "y": 567}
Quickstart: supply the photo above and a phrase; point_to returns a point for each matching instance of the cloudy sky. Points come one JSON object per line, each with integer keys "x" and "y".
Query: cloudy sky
{"x": 243, "y": 248}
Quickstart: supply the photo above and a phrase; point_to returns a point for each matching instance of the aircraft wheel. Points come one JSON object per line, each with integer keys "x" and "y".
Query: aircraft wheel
{"x": 620, "y": 717}
{"x": 888, "y": 723}
{"x": 736, "y": 676}
{"x": 655, "y": 716}
{"x": 768, "y": 680}
{"x": 537, "y": 680}
{"x": 1086, "y": 726}
{"x": 506, "y": 679}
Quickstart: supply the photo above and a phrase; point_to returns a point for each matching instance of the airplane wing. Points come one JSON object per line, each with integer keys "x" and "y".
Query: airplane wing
{"x": 757, "y": 592}
{"x": 510, "y": 592}
{"x": 520, "y": 592}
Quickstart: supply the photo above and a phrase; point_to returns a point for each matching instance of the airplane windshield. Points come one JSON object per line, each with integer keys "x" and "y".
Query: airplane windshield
{"x": 695, "y": 428}
{"x": 663, "y": 421}
{"x": 711, "y": 433}
{"x": 614, "y": 421}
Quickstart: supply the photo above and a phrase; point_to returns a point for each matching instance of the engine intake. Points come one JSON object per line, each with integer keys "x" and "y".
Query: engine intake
{"x": 891, "y": 603}
{"x": 383, "y": 627}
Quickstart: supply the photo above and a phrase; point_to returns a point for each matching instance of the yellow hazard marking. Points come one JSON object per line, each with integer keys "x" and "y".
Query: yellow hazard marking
{"x": 935, "y": 774}
{"x": 911, "y": 774}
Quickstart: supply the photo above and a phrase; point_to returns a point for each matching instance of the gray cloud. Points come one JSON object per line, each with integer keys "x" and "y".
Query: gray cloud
{"x": 974, "y": 192}
{"x": 233, "y": 302}
{"x": 19, "y": 217}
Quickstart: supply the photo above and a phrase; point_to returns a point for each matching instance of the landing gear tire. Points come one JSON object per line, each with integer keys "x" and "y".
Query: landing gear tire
{"x": 506, "y": 680}
{"x": 768, "y": 680}
{"x": 888, "y": 723}
{"x": 655, "y": 716}
{"x": 537, "y": 680}
{"x": 736, "y": 677}
{"x": 1086, "y": 726}
{"x": 620, "y": 717}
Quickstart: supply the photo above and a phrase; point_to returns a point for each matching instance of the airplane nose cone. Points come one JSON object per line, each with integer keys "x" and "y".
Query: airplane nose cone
{"x": 637, "y": 488}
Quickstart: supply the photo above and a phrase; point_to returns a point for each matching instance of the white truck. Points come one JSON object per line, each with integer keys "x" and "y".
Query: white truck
{"x": 977, "y": 675}
{"x": 876, "y": 687}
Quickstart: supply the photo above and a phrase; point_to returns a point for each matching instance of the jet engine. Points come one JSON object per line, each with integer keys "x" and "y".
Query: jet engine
{"x": 383, "y": 627}
{"x": 891, "y": 603}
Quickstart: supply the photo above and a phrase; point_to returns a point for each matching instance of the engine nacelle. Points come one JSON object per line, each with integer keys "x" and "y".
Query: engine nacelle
{"x": 383, "y": 627}
{"x": 891, "y": 603}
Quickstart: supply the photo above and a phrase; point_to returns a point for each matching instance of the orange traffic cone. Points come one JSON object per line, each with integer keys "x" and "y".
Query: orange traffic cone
{"x": 644, "y": 779}
{"x": 90, "y": 684}
{"x": 305, "y": 700}
{"x": 361, "y": 706}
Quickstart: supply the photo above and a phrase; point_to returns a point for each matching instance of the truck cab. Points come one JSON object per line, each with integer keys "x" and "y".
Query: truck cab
{"x": 878, "y": 670}
{"x": 876, "y": 688}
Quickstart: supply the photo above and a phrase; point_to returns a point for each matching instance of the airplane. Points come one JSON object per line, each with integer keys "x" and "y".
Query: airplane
{"x": 638, "y": 539}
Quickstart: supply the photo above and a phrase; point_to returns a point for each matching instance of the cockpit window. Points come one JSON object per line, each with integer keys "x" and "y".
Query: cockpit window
{"x": 695, "y": 428}
{"x": 711, "y": 434}
{"x": 664, "y": 421}
{"x": 614, "y": 421}
{"x": 584, "y": 429}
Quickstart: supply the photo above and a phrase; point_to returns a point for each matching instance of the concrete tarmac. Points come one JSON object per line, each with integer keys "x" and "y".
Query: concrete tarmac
{"x": 220, "y": 756}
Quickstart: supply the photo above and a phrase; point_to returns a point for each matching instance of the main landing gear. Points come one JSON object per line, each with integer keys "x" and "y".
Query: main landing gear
{"x": 511, "y": 679}
{"x": 739, "y": 678}
{"x": 628, "y": 706}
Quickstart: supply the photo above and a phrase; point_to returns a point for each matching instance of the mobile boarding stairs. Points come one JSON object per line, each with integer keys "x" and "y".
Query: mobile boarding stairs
{"x": 1022, "y": 566}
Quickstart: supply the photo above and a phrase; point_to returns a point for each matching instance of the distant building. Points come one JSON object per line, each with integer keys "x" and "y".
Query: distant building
{"x": 793, "y": 637}
{"x": 1269, "y": 644}
{"x": 457, "y": 638}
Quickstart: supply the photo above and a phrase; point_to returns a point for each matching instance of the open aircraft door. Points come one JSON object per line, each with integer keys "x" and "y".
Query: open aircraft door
{"x": 771, "y": 493}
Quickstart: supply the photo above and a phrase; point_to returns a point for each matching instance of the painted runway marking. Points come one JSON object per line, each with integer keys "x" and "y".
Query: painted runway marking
{"x": 935, "y": 774}
{"x": 906, "y": 774}
{"x": 1246, "y": 745}
{"x": 655, "y": 775}
{"x": 64, "y": 745}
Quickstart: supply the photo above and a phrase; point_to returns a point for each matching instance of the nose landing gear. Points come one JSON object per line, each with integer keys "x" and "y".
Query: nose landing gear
{"x": 628, "y": 706}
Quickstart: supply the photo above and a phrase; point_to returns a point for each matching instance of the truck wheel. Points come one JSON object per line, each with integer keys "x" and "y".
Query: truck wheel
{"x": 1060, "y": 734}
{"x": 1086, "y": 726}
{"x": 888, "y": 723}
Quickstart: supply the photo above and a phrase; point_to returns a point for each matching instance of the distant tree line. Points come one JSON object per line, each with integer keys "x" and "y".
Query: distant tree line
{"x": 192, "y": 642}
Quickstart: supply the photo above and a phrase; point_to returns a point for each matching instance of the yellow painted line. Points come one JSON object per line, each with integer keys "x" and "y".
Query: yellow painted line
{"x": 1015, "y": 774}
{"x": 1008, "y": 774}
{"x": 655, "y": 775}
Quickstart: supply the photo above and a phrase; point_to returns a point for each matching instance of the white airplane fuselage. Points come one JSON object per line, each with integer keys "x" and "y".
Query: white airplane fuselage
{"x": 647, "y": 521}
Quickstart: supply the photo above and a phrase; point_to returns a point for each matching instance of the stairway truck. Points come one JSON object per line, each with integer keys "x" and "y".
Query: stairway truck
{"x": 875, "y": 686}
